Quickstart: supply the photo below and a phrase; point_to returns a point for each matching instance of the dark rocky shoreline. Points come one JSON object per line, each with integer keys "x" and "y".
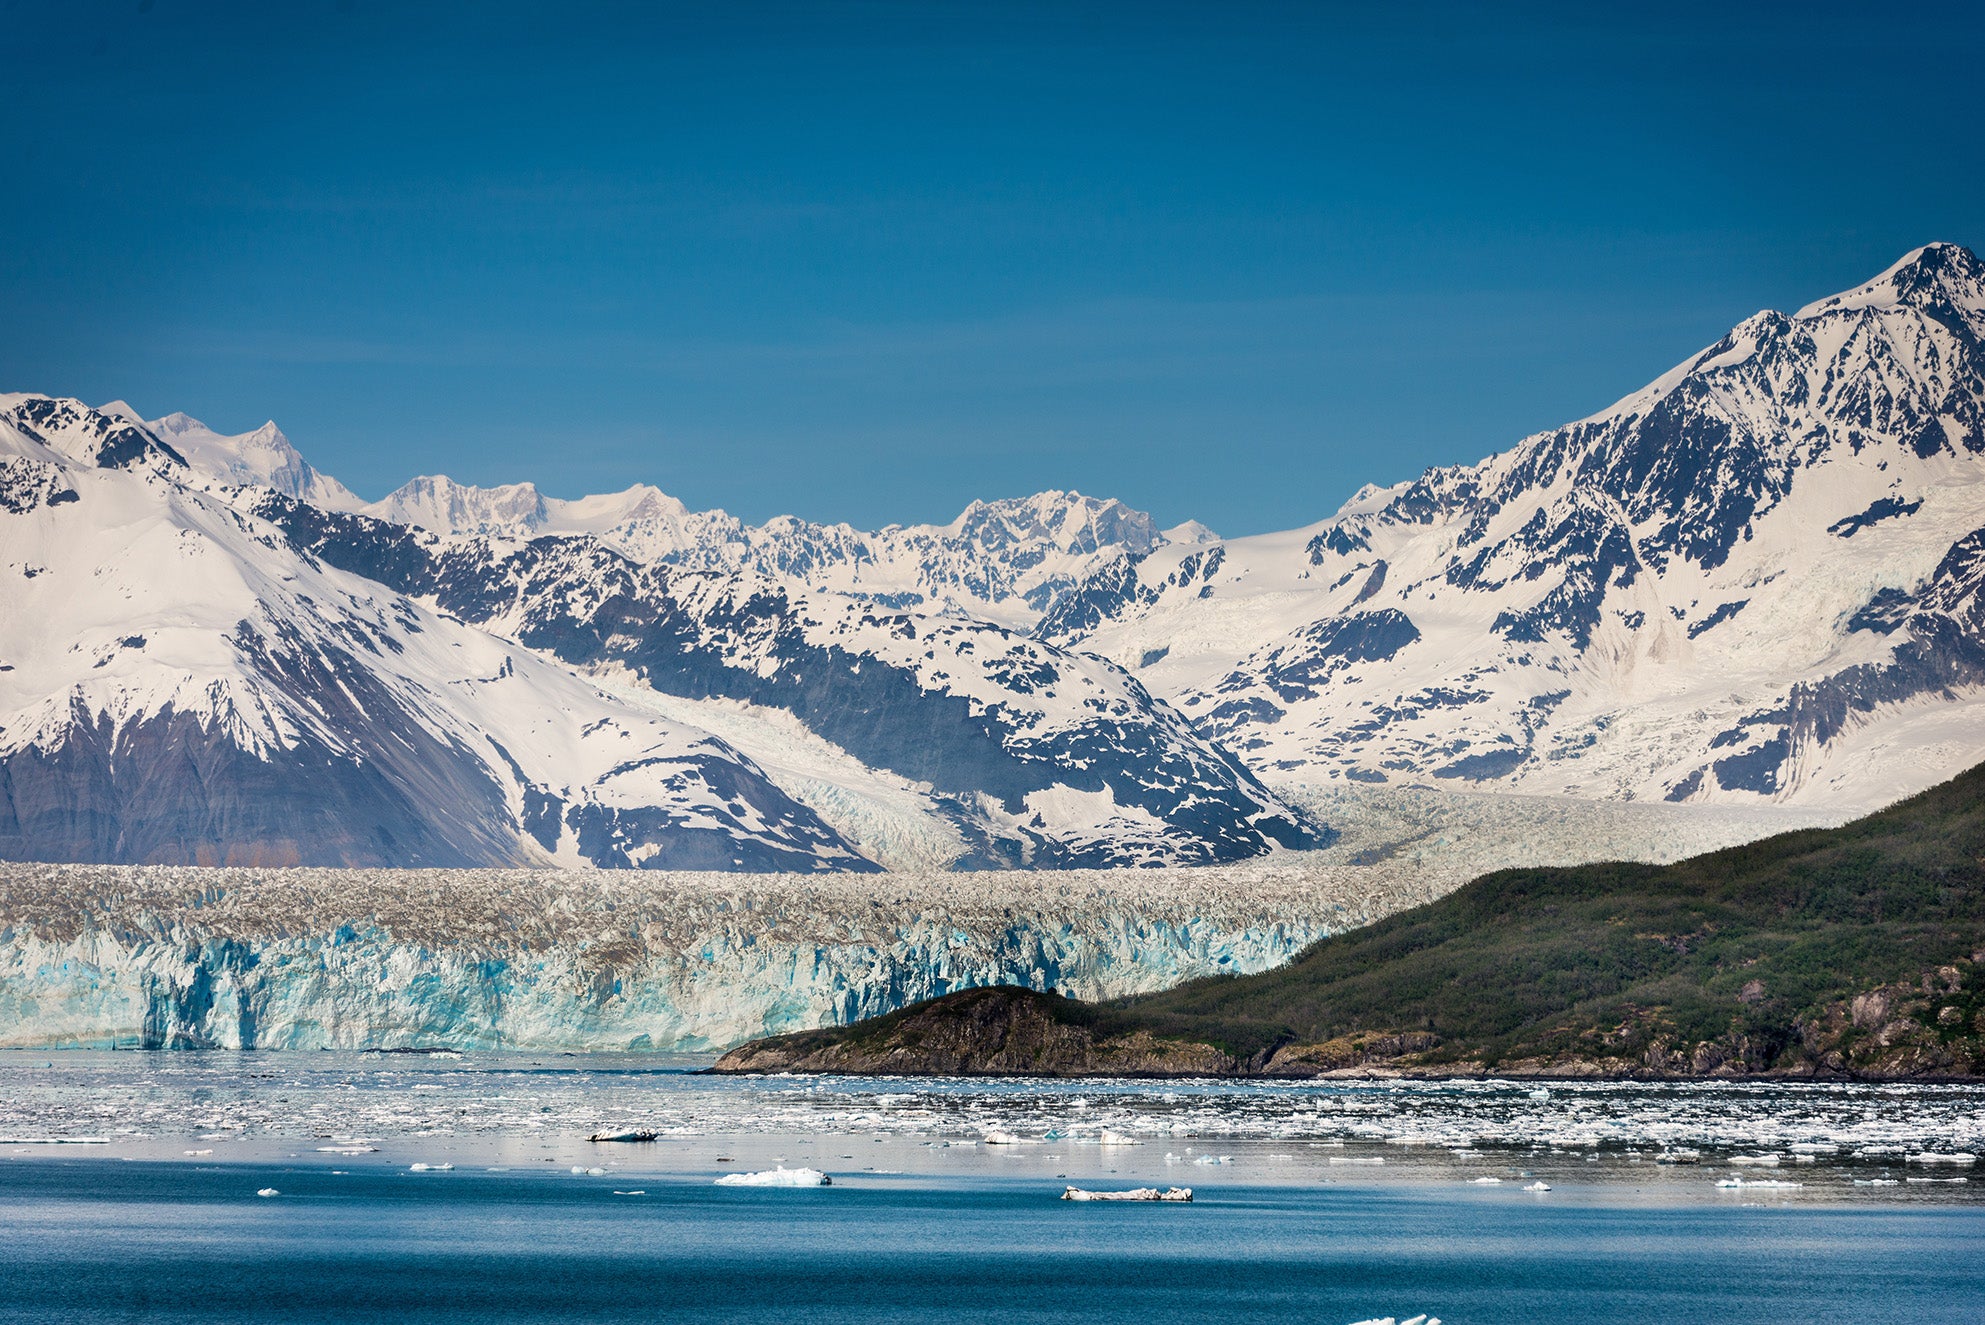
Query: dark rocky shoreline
{"x": 1005, "y": 1031}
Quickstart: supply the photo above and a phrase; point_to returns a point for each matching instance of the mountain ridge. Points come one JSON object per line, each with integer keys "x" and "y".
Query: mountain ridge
{"x": 1758, "y": 581}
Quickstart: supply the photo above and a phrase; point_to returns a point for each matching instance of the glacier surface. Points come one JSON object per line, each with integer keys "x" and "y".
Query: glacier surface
{"x": 169, "y": 957}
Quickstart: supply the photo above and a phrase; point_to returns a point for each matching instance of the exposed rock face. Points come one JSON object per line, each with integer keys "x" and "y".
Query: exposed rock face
{"x": 224, "y": 664}
{"x": 982, "y": 1032}
{"x": 1931, "y": 1030}
{"x": 1756, "y": 579}
{"x": 537, "y": 959}
{"x": 1042, "y": 757}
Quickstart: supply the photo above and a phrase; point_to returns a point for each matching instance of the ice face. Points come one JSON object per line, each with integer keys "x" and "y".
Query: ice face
{"x": 306, "y": 959}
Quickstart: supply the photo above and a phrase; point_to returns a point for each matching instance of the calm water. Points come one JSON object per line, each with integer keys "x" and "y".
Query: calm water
{"x": 1327, "y": 1204}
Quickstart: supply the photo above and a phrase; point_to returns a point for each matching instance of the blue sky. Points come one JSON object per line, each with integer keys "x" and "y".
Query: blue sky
{"x": 870, "y": 261}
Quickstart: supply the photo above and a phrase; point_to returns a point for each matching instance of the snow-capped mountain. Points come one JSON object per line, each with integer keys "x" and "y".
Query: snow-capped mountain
{"x": 192, "y": 670}
{"x": 263, "y": 458}
{"x": 175, "y": 685}
{"x": 1756, "y": 580}
{"x": 1758, "y": 577}
{"x": 1004, "y": 560}
{"x": 1035, "y": 755}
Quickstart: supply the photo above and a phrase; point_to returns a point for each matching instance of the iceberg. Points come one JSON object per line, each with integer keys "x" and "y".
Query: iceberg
{"x": 267, "y": 1191}
{"x": 779, "y": 1177}
{"x": 1134, "y": 1194}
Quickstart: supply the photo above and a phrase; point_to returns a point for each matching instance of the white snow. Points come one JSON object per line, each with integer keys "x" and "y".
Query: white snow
{"x": 778, "y": 1177}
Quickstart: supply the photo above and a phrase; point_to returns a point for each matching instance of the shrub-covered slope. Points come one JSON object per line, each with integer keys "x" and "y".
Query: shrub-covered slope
{"x": 1853, "y": 951}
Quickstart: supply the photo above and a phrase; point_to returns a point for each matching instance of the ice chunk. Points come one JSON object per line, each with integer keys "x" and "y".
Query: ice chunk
{"x": 429, "y": 1168}
{"x": 1134, "y": 1194}
{"x": 779, "y": 1177}
{"x": 1537, "y": 1187}
{"x": 626, "y": 1134}
{"x": 268, "y": 1191}
{"x": 1936, "y": 1157}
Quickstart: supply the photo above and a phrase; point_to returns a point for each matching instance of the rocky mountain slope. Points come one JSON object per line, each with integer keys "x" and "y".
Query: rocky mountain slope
{"x": 176, "y": 685}
{"x": 1753, "y": 583}
{"x": 1004, "y": 561}
{"x": 194, "y": 670}
{"x": 1755, "y": 579}
{"x": 1850, "y": 952}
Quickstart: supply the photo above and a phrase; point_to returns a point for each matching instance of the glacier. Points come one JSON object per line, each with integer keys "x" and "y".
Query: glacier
{"x": 241, "y": 958}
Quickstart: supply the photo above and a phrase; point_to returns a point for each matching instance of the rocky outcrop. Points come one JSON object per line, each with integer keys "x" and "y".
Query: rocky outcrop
{"x": 984, "y": 1032}
{"x": 1932, "y": 1029}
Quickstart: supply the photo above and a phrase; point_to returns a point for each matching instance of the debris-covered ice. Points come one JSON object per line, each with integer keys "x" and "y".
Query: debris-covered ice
{"x": 547, "y": 960}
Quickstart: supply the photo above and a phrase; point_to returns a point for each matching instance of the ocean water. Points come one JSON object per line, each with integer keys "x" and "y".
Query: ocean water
{"x": 129, "y": 1192}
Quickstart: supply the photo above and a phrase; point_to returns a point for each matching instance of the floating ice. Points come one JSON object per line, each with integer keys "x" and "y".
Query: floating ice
{"x": 1538, "y": 1187}
{"x": 1410, "y": 1320}
{"x": 779, "y": 1177}
{"x": 268, "y": 1191}
{"x": 627, "y": 1134}
{"x": 1753, "y": 1183}
{"x": 1484, "y": 1182}
{"x": 429, "y": 1168}
{"x": 1936, "y": 1157}
{"x": 1134, "y": 1194}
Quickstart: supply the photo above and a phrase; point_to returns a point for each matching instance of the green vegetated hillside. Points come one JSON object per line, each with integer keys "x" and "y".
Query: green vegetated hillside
{"x": 1849, "y": 951}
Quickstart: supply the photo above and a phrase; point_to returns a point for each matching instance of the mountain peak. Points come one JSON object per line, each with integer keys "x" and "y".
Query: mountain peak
{"x": 1938, "y": 274}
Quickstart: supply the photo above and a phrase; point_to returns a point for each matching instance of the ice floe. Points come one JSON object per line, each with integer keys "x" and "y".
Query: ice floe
{"x": 778, "y": 1177}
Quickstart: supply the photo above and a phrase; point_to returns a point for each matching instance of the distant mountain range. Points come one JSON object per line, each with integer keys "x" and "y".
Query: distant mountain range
{"x": 1756, "y": 580}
